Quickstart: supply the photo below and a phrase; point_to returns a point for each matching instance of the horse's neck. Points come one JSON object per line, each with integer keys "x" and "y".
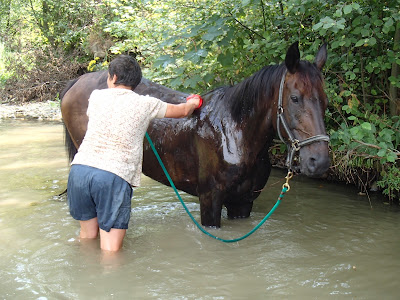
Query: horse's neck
{"x": 259, "y": 129}
{"x": 248, "y": 137}
{"x": 258, "y": 124}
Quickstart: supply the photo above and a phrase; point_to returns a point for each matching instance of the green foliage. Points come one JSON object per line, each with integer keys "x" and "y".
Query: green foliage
{"x": 4, "y": 73}
{"x": 364, "y": 133}
{"x": 390, "y": 182}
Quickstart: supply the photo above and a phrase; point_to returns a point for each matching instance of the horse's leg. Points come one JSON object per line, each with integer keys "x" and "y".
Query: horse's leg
{"x": 211, "y": 207}
{"x": 250, "y": 189}
{"x": 239, "y": 210}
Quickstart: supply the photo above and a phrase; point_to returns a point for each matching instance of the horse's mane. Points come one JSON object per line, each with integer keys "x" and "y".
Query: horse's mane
{"x": 243, "y": 97}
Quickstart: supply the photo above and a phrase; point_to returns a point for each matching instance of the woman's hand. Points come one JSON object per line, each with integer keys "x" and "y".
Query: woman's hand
{"x": 184, "y": 109}
{"x": 196, "y": 99}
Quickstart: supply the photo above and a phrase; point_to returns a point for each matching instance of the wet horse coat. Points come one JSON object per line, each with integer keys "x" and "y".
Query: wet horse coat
{"x": 220, "y": 153}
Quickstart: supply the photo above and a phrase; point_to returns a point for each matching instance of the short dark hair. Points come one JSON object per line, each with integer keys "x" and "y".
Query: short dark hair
{"x": 127, "y": 70}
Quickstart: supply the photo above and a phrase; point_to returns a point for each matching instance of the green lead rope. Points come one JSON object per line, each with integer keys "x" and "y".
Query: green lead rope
{"x": 285, "y": 188}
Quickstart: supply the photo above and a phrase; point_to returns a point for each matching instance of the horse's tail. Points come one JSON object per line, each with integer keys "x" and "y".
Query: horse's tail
{"x": 69, "y": 144}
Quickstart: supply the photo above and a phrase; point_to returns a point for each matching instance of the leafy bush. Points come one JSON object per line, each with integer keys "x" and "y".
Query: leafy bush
{"x": 364, "y": 139}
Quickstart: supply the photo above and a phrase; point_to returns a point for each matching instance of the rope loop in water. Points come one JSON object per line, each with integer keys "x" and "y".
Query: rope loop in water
{"x": 285, "y": 189}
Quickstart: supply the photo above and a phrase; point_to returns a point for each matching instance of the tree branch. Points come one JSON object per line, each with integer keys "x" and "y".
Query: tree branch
{"x": 247, "y": 28}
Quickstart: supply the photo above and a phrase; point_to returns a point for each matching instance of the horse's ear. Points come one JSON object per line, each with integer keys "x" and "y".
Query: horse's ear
{"x": 292, "y": 58}
{"x": 321, "y": 57}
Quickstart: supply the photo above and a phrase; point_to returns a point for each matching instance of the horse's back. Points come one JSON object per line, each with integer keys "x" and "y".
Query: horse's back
{"x": 147, "y": 87}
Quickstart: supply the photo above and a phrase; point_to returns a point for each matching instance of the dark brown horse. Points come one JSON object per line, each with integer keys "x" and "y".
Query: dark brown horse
{"x": 220, "y": 153}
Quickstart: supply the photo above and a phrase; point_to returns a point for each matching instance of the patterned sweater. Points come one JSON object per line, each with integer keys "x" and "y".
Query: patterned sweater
{"x": 118, "y": 120}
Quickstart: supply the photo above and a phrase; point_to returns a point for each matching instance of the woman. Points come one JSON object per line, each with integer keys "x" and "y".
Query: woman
{"x": 109, "y": 161}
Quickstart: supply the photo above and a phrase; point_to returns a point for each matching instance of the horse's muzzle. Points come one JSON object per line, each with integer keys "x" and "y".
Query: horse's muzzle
{"x": 314, "y": 165}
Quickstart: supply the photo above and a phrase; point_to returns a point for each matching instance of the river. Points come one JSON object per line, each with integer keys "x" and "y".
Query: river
{"x": 324, "y": 241}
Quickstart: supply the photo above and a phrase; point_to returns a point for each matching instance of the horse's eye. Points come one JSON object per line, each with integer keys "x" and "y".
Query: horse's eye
{"x": 294, "y": 98}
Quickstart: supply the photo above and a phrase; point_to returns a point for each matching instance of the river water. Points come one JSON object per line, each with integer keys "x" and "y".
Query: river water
{"x": 323, "y": 242}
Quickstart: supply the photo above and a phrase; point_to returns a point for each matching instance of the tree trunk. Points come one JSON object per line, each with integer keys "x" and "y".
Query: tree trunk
{"x": 393, "y": 90}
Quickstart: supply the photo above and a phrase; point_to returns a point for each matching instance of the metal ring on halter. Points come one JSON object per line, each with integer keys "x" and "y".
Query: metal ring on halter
{"x": 296, "y": 145}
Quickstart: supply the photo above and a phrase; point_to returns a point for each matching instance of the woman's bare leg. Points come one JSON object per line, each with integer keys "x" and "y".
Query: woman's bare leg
{"x": 112, "y": 241}
{"x": 89, "y": 229}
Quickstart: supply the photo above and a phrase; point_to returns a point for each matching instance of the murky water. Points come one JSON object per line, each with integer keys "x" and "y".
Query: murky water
{"x": 323, "y": 241}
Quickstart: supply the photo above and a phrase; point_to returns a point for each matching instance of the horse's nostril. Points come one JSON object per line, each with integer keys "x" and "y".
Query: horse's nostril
{"x": 317, "y": 165}
{"x": 312, "y": 163}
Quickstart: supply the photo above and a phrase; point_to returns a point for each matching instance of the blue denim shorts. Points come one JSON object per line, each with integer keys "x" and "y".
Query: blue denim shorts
{"x": 92, "y": 193}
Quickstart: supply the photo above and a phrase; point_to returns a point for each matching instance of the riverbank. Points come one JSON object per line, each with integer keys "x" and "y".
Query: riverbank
{"x": 47, "y": 110}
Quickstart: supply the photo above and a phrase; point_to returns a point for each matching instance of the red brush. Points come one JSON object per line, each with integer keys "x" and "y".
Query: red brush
{"x": 194, "y": 96}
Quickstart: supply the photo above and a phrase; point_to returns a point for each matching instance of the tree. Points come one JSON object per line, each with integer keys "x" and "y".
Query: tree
{"x": 394, "y": 78}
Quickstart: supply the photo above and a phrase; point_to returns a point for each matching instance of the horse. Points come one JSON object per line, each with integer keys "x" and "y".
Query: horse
{"x": 220, "y": 153}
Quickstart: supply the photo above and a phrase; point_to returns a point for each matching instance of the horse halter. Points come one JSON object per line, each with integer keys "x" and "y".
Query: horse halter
{"x": 293, "y": 144}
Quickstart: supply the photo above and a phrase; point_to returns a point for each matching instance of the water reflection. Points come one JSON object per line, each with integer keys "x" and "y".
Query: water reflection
{"x": 323, "y": 240}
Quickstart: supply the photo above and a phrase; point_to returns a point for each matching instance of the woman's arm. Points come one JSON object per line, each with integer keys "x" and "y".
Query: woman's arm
{"x": 183, "y": 109}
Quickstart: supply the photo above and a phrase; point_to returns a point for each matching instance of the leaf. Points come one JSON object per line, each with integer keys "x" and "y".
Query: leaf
{"x": 360, "y": 43}
{"x": 176, "y": 82}
{"x": 209, "y": 78}
{"x": 341, "y": 24}
{"x": 386, "y": 135}
{"x": 196, "y": 56}
{"x": 347, "y": 9}
{"x": 391, "y": 157}
{"x": 192, "y": 82}
{"x": 372, "y": 41}
{"x": 365, "y": 32}
{"x": 212, "y": 34}
{"x": 366, "y": 126}
{"x": 338, "y": 13}
{"x": 383, "y": 146}
{"x": 225, "y": 59}
{"x": 335, "y": 44}
{"x": 388, "y": 26}
{"x": 382, "y": 153}
{"x": 354, "y": 131}
{"x": 164, "y": 60}
{"x": 317, "y": 26}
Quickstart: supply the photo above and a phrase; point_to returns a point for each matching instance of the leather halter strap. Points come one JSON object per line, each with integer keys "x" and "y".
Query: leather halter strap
{"x": 293, "y": 144}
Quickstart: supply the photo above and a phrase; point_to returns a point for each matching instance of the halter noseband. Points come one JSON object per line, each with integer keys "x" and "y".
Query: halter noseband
{"x": 293, "y": 144}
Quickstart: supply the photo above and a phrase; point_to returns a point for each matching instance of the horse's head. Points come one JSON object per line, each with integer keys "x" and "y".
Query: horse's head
{"x": 301, "y": 109}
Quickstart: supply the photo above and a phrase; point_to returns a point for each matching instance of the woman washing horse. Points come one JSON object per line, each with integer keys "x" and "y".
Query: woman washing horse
{"x": 220, "y": 153}
{"x": 109, "y": 160}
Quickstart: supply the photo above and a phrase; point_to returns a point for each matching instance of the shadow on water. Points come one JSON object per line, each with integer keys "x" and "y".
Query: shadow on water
{"x": 323, "y": 240}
